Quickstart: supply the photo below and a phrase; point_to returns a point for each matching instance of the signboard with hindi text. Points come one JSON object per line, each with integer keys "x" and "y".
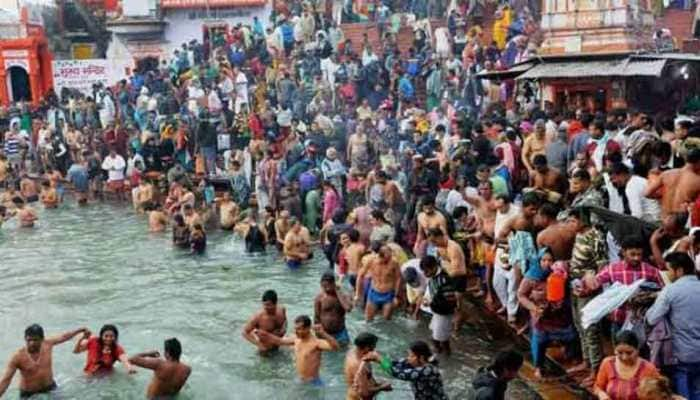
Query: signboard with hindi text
{"x": 82, "y": 74}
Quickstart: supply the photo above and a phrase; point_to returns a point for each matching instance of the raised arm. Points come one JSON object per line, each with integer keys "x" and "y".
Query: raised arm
{"x": 8, "y": 375}
{"x": 66, "y": 336}
{"x": 149, "y": 360}
{"x": 326, "y": 342}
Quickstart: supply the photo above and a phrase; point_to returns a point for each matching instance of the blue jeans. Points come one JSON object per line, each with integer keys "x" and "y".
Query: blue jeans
{"x": 209, "y": 153}
{"x": 541, "y": 339}
{"x": 686, "y": 378}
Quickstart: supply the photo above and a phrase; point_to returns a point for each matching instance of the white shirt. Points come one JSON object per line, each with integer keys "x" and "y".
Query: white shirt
{"x": 241, "y": 88}
{"x": 454, "y": 200}
{"x": 499, "y": 223}
{"x": 640, "y": 206}
{"x": 115, "y": 167}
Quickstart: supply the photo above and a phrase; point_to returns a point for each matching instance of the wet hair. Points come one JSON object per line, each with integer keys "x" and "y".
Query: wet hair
{"x": 582, "y": 214}
{"x": 107, "y": 328}
{"x": 173, "y": 348}
{"x": 680, "y": 260}
{"x": 179, "y": 220}
{"x": 421, "y": 349}
{"x": 328, "y": 277}
{"x": 428, "y": 262}
{"x": 270, "y": 295}
{"x": 540, "y": 160}
{"x": 354, "y": 235}
{"x": 548, "y": 210}
{"x": 304, "y": 320}
{"x": 531, "y": 199}
{"x": 34, "y": 331}
{"x": 628, "y": 338}
{"x": 378, "y": 215}
{"x": 366, "y": 340}
{"x": 632, "y": 242}
{"x": 427, "y": 201}
{"x": 459, "y": 212}
{"x": 508, "y": 360}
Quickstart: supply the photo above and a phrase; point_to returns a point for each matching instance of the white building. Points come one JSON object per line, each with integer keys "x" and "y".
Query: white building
{"x": 153, "y": 29}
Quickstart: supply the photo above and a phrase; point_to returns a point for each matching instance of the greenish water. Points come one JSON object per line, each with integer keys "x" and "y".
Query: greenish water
{"x": 94, "y": 265}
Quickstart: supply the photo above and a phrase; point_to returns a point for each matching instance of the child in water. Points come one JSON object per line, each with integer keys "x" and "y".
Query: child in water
{"x": 49, "y": 196}
{"x": 198, "y": 239}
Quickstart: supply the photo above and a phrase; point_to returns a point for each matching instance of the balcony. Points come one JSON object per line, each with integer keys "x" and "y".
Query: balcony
{"x": 138, "y": 27}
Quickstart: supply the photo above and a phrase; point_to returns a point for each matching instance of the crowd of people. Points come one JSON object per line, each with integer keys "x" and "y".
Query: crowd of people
{"x": 425, "y": 187}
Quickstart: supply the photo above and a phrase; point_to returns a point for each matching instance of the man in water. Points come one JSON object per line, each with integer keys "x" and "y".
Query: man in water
{"x": 296, "y": 245}
{"x": 272, "y": 319}
{"x": 34, "y": 362}
{"x": 48, "y": 196}
{"x": 28, "y": 189}
{"x": 157, "y": 220}
{"x": 25, "y": 214}
{"x": 358, "y": 373}
{"x": 78, "y": 175}
{"x": 353, "y": 254}
{"x": 330, "y": 307}
{"x": 169, "y": 374}
{"x": 228, "y": 212}
{"x": 385, "y": 284}
{"x": 428, "y": 218}
{"x": 307, "y": 348}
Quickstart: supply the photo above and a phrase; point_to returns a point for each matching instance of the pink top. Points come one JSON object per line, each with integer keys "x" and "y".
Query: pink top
{"x": 330, "y": 203}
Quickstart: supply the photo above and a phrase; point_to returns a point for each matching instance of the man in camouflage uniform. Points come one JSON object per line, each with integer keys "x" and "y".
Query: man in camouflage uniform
{"x": 587, "y": 195}
{"x": 589, "y": 254}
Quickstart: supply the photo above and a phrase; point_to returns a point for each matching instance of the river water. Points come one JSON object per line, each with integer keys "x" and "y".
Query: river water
{"x": 87, "y": 266}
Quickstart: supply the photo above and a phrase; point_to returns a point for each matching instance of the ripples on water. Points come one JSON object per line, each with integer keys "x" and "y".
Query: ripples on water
{"x": 87, "y": 266}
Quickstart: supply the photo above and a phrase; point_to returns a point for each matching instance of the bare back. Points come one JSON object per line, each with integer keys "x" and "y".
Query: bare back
{"x": 168, "y": 379}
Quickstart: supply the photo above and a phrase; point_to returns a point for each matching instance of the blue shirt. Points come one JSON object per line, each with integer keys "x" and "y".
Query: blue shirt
{"x": 679, "y": 302}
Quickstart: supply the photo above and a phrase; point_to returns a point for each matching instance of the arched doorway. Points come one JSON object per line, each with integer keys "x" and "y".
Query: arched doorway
{"x": 146, "y": 64}
{"x": 18, "y": 85}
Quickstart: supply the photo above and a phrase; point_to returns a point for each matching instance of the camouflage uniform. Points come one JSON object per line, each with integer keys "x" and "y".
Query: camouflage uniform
{"x": 590, "y": 198}
{"x": 589, "y": 254}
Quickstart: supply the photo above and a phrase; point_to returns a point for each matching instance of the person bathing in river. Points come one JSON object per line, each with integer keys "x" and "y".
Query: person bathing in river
{"x": 358, "y": 373}
{"x": 169, "y": 374}
{"x": 157, "y": 219}
{"x": 25, "y": 214}
{"x": 34, "y": 362}
{"x": 296, "y": 245}
{"x": 198, "y": 239}
{"x": 330, "y": 307}
{"x": 384, "y": 286}
{"x": 271, "y": 319}
{"x": 181, "y": 232}
{"x": 307, "y": 348}
{"x": 48, "y": 196}
{"x": 102, "y": 351}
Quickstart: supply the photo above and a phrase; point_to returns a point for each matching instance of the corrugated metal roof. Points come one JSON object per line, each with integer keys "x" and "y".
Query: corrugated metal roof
{"x": 513, "y": 72}
{"x": 210, "y": 3}
{"x": 590, "y": 69}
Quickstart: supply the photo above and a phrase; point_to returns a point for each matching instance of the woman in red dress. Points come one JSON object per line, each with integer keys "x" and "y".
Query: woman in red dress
{"x": 103, "y": 351}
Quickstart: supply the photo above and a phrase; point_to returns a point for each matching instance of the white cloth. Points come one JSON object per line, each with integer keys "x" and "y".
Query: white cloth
{"x": 506, "y": 289}
{"x": 640, "y": 206}
{"x": 441, "y": 326}
{"x": 603, "y": 304}
{"x": 114, "y": 167}
{"x": 454, "y": 200}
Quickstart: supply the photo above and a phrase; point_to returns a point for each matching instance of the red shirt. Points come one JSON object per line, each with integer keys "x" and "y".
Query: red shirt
{"x": 624, "y": 273}
{"x": 97, "y": 362}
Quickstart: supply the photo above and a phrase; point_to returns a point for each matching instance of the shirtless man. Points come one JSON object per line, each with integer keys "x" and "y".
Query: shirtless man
{"x": 330, "y": 307}
{"x": 157, "y": 219}
{"x": 28, "y": 189}
{"x": 547, "y": 180}
{"x": 48, "y": 196}
{"x": 358, "y": 150}
{"x": 384, "y": 286}
{"x": 428, "y": 218}
{"x": 485, "y": 207}
{"x": 307, "y": 348}
{"x": 353, "y": 255}
{"x": 34, "y": 362}
{"x": 296, "y": 245}
{"x": 282, "y": 227}
{"x": 25, "y": 214}
{"x": 557, "y": 236}
{"x": 191, "y": 216}
{"x": 272, "y": 319}
{"x": 228, "y": 212}
{"x": 144, "y": 196}
{"x": 169, "y": 374}
{"x": 679, "y": 187}
{"x": 358, "y": 373}
{"x": 454, "y": 262}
